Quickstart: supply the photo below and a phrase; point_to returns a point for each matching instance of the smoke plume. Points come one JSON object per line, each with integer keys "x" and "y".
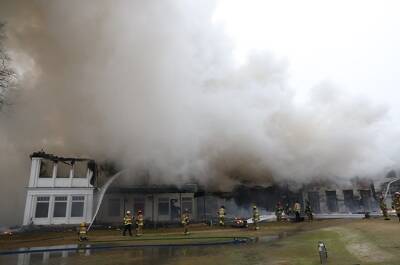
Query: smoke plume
{"x": 154, "y": 86}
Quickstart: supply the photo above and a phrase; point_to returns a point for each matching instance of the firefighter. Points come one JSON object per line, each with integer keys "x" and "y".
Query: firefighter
{"x": 297, "y": 210}
{"x": 308, "y": 211}
{"x": 127, "y": 223}
{"x": 256, "y": 217}
{"x": 287, "y": 210}
{"x": 139, "y": 223}
{"x": 221, "y": 216}
{"x": 185, "y": 222}
{"x": 396, "y": 204}
{"x": 278, "y": 211}
{"x": 82, "y": 233}
{"x": 382, "y": 205}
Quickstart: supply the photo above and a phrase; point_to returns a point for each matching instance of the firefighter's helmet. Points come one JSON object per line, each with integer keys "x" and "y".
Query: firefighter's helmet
{"x": 83, "y": 224}
{"x": 128, "y": 212}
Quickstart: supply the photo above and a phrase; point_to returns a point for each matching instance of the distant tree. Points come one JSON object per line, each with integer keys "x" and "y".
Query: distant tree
{"x": 7, "y": 74}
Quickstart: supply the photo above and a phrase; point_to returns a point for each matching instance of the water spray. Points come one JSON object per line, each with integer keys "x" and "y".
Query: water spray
{"x": 103, "y": 191}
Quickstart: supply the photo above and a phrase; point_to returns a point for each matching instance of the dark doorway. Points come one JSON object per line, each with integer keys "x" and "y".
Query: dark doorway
{"x": 348, "y": 196}
{"x": 331, "y": 200}
{"x": 366, "y": 200}
{"x": 313, "y": 197}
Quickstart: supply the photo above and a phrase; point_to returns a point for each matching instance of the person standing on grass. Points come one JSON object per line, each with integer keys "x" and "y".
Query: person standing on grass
{"x": 278, "y": 211}
{"x": 185, "y": 222}
{"x": 396, "y": 204}
{"x": 256, "y": 217}
{"x": 308, "y": 211}
{"x": 382, "y": 205}
{"x": 127, "y": 223}
{"x": 82, "y": 233}
{"x": 139, "y": 223}
{"x": 221, "y": 216}
{"x": 297, "y": 210}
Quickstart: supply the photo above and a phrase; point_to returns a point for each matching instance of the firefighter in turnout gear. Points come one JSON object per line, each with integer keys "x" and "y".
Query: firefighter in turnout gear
{"x": 297, "y": 210}
{"x": 82, "y": 233}
{"x": 396, "y": 204}
{"x": 139, "y": 223}
{"x": 185, "y": 222}
{"x": 308, "y": 211}
{"x": 127, "y": 223}
{"x": 256, "y": 217}
{"x": 278, "y": 211}
{"x": 382, "y": 205}
{"x": 221, "y": 216}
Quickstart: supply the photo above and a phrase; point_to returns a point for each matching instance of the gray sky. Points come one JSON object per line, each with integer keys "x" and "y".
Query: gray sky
{"x": 354, "y": 44}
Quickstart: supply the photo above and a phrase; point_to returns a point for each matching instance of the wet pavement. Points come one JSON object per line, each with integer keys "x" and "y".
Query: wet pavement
{"x": 247, "y": 253}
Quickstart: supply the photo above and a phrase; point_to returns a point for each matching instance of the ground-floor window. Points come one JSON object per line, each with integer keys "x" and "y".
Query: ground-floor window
{"x": 163, "y": 206}
{"x": 77, "y": 207}
{"x": 187, "y": 204}
{"x": 42, "y": 207}
{"x": 60, "y": 206}
{"x": 114, "y": 207}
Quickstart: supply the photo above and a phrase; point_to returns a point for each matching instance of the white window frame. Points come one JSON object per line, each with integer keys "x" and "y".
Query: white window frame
{"x": 66, "y": 207}
{"x": 36, "y": 201}
{"x": 84, "y": 205}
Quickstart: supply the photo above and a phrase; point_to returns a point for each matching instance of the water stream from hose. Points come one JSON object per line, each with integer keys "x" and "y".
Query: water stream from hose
{"x": 103, "y": 191}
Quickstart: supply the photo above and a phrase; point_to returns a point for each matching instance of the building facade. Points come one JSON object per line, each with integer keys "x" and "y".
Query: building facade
{"x": 64, "y": 191}
{"x": 59, "y": 191}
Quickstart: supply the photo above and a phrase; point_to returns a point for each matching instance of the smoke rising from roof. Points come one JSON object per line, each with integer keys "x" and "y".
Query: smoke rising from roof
{"x": 154, "y": 86}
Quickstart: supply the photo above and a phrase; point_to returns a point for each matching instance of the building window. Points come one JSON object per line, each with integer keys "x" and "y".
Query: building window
{"x": 80, "y": 169}
{"x": 42, "y": 207}
{"x": 331, "y": 200}
{"x": 187, "y": 203}
{"x": 60, "y": 206}
{"x": 78, "y": 203}
{"x": 163, "y": 206}
{"x": 46, "y": 169}
{"x": 114, "y": 207}
{"x": 138, "y": 204}
{"x": 63, "y": 170}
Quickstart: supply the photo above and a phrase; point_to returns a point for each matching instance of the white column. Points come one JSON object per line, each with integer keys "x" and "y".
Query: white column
{"x": 54, "y": 175}
{"x": 28, "y": 209}
{"x": 89, "y": 175}
{"x": 88, "y": 206}
{"x": 51, "y": 209}
{"x": 71, "y": 175}
{"x": 35, "y": 170}
{"x": 69, "y": 205}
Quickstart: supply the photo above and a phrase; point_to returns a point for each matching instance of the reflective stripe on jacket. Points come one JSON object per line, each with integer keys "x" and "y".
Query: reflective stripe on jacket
{"x": 127, "y": 220}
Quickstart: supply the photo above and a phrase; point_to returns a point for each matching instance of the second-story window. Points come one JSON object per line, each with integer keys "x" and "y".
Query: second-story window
{"x": 46, "y": 169}
{"x": 80, "y": 169}
{"x": 63, "y": 170}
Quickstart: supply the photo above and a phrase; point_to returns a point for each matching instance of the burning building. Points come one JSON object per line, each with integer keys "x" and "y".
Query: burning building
{"x": 64, "y": 190}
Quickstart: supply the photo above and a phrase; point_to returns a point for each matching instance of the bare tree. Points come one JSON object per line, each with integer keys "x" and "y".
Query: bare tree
{"x": 7, "y": 74}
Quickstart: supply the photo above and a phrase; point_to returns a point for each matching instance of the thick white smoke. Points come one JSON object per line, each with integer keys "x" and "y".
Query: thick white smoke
{"x": 153, "y": 85}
